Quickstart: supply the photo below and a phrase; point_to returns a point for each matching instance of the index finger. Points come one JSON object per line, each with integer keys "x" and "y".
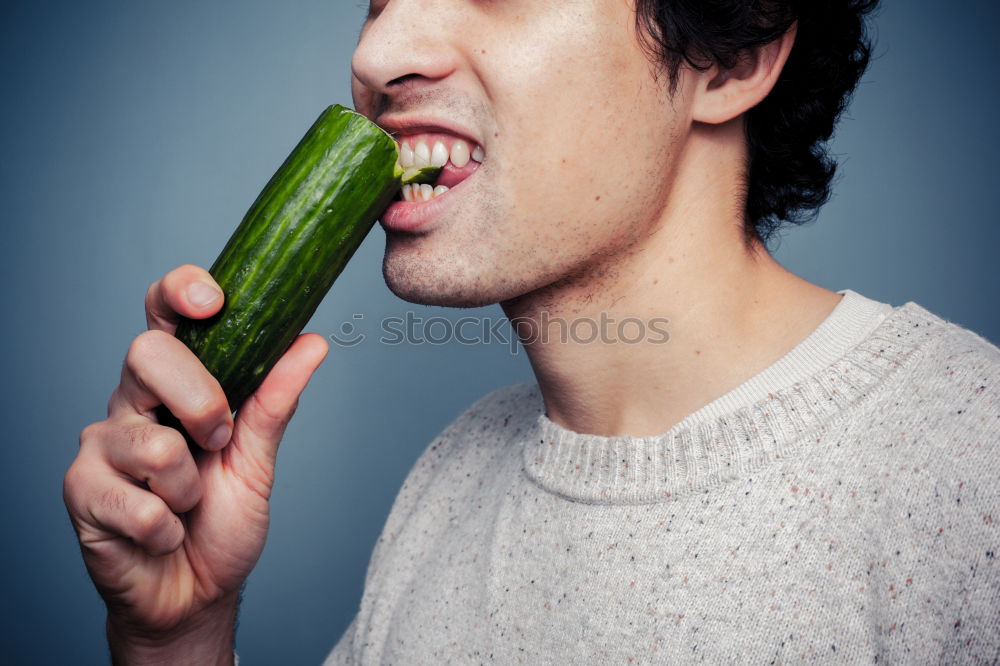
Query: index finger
{"x": 187, "y": 291}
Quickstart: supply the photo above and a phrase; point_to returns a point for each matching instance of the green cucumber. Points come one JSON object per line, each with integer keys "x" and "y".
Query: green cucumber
{"x": 293, "y": 243}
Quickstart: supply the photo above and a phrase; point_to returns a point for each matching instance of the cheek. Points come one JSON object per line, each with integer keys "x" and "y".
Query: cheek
{"x": 595, "y": 172}
{"x": 584, "y": 131}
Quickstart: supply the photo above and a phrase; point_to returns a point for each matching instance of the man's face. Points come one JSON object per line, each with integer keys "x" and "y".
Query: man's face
{"x": 578, "y": 140}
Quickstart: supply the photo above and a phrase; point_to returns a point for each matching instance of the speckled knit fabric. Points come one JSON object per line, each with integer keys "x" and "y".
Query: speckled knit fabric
{"x": 841, "y": 507}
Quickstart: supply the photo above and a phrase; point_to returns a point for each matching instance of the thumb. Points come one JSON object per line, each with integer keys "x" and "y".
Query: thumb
{"x": 261, "y": 420}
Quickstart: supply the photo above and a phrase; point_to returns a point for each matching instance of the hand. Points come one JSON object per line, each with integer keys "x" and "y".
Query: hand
{"x": 168, "y": 537}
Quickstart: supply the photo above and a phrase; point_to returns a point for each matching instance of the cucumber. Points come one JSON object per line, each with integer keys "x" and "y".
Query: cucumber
{"x": 293, "y": 243}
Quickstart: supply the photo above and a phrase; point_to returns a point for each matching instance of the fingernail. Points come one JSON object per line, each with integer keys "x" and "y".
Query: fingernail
{"x": 202, "y": 295}
{"x": 220, "y": 437}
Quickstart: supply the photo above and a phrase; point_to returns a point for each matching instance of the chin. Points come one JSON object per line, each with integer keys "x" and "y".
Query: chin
{"x": 422, "y": 284}
{"x": 448, "y": 282}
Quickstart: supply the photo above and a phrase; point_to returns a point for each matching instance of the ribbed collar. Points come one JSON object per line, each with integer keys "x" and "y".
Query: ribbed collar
{"x": 858, "y": 345}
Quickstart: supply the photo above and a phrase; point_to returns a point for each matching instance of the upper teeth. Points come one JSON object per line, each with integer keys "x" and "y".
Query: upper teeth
{"x": 460, "y": 155}
{"x": 421, "y": 154}
{"x": 439, "y": 156}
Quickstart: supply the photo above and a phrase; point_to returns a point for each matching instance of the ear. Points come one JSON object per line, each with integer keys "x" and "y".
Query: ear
{"x": 724, "y": 94}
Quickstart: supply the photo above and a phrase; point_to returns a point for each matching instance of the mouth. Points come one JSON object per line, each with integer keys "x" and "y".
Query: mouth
{"x": 459, "y": 157}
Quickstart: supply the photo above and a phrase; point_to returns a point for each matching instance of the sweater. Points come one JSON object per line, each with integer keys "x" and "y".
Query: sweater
{"x": 841, "y": 506}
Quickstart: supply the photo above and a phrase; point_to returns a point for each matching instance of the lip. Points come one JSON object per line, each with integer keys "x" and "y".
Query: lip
{"x": 414, "y": 216}
{"x": 400, "y": 125}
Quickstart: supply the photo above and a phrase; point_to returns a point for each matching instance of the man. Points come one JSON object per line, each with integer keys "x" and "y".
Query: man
{"x": 793, "y": 474}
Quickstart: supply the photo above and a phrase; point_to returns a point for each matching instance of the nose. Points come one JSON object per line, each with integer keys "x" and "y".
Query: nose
{"x": 404, "y": 47}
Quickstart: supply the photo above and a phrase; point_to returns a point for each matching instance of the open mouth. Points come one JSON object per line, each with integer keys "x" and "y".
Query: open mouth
{"x": 458, "y": 158}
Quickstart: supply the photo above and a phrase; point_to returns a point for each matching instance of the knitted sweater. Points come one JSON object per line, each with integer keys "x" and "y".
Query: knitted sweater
{"x": 842, "y": 506}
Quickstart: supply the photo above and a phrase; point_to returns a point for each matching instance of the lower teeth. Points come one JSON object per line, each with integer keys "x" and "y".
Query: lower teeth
{"x": 422, "y": 192}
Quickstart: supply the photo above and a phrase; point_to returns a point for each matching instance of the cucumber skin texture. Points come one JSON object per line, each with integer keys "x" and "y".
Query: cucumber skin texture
{"x": 292, "y": 244}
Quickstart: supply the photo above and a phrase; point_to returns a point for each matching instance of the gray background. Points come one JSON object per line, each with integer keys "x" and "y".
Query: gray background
{"x": 135, "y": 134}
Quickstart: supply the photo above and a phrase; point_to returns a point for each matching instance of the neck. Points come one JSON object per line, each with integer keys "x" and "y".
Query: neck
{"x": 640, "y": 340}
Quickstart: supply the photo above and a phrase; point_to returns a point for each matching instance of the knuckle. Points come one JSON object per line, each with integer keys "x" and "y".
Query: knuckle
{"x": 146, "y": 348}
{"x": 152, "y": 292}
{"x": 180, "y": 277}
{"x": 113, "y": 500}
{"x": 206, "y": 408}
{"x": 113, "y": 400}
{"x": 188, "y": 271}
{"x": 139, "y": 436}
{"x": 193, "y": 495}
{"x": 160, "y": 450}
{"x": 91, "y": 435}
{"x": 171, "y": 281}
{"x": 187, "y": 497}
{"x": 72, "y": 482}
{"x": 148, "y": 518}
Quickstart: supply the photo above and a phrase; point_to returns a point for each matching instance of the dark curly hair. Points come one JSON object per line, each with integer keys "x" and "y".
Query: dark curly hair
{"x": 790, "y": 170}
